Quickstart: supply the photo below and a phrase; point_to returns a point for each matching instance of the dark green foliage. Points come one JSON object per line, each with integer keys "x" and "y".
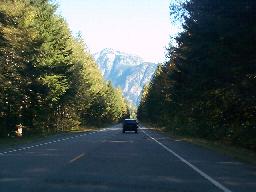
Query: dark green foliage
{"x": 48, "y": 81}
{"x": 211, "y": 74}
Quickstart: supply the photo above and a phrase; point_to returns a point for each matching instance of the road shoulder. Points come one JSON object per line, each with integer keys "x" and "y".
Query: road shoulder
{"x": 238, "y": 153}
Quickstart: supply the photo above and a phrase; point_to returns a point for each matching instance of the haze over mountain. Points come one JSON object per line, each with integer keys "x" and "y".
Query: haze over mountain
{"x": 126, "y": 71}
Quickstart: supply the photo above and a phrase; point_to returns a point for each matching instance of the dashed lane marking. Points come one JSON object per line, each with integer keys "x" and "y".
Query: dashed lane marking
{"x": 76, "y": 158}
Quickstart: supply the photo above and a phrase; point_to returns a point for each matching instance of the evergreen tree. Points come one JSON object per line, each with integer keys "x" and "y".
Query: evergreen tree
{"x": 211, "y": 73}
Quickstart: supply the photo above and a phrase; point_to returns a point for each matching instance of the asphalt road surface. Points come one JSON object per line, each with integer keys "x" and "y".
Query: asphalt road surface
{"x": 108, "y": 160}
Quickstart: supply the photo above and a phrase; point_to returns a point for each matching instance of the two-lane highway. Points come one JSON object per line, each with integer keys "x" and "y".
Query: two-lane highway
{"x": 108, "y": 160}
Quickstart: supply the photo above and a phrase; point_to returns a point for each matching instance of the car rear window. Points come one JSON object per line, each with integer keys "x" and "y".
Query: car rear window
{"x": 130, "y": 121}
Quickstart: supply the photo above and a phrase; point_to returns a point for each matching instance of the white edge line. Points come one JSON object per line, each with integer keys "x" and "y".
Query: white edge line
{"x": 203, "y": 174}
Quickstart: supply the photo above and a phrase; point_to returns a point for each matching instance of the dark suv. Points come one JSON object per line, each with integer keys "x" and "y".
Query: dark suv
{"x": 130, "y": 125}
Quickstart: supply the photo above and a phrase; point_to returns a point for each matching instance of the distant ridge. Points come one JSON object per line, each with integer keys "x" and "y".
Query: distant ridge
{"x": 127, "y": 71}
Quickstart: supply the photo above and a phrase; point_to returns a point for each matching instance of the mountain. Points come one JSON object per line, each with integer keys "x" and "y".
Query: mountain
{"x": 126, "y": 71}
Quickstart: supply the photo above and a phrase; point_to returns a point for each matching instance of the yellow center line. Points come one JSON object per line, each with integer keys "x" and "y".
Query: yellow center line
{"x": 76, "y": 158}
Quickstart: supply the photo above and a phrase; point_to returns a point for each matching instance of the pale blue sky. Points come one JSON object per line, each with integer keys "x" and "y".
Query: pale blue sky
{"x": 140, "y": 27}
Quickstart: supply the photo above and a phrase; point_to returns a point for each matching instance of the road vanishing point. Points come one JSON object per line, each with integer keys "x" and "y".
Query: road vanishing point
{"x": 109, "y": 161}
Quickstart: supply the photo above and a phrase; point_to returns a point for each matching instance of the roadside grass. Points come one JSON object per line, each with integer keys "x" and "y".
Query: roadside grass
{"x": 239, "y": 153}
{"x": 10, "y": 142}
{"x": 82, "y": 129}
